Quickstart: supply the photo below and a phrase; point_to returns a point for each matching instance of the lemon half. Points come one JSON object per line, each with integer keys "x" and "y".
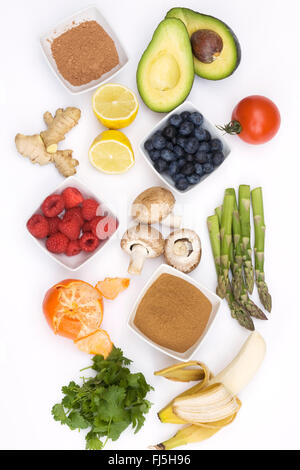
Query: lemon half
{"x": 115, "y": 105}
{"x": 111, "y": 153}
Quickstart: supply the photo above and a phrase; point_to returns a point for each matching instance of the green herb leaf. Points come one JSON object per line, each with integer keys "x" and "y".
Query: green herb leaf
{"x": 106, "y": 403}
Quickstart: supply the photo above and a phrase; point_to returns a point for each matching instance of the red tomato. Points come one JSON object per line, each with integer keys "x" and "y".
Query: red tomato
{"x": 259, "y": 118}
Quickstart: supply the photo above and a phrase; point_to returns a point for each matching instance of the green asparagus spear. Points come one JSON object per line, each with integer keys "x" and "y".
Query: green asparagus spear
{"x": 244, "y": 212}
{"x": 237, "y": 271}
{"x": 236, "y": 310}
{"x": 259, "y": 249}
{"x": 238, "y": 286}
{"x": 226, "y": 242}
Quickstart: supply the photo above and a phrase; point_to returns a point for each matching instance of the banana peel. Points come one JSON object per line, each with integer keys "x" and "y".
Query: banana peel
{"x": 182, "y": 372}
{"x": 192, "y": 433}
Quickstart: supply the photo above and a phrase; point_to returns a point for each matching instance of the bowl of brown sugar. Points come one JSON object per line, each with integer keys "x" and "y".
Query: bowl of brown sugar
{"x": 173, "y": 313}
{"x": 83, "y": 51}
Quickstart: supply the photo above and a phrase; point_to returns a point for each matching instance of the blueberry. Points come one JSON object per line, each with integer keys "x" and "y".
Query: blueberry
{"x": 181, "y": 184}
{"x": 204, "y": 147}
{"x": 193, "y": 179}
{"x": 201, "y": 157}
{"x": 148, "y": 145}
{"x": 181, "y": 141}
{"x": 208, "y": 167}
{"x": 181, "y": 162}
{"x": 215, "y": 145}
{"x": 159, "y": 142}
{"x": 218, "y": 158}
{"x": 154, "y": 155}
{"x": 178, "y": 176}
{"x": 196, "y": 118}
{"x": 169, "y": 146}
{"x": 200, "y": 133}
{"x": 175, "y": 120}
{"x": 158, "y": 132}
{"x": 189, "y": 158}
{"x": 185, "y": 115}
{"x": 160, "y": 165}
{"x": 169, "y": 132}
{"x": 187, "y": 169}
{"x": 186, "y": 128}
{"x": 172, "y": 168}
{"x": 174, "y": 140}
{"x": 191, "y": 145}
{"x": 207, "y": 136}
{"x": 167, "y": 155}
{"x": 209, "y": 157}
{"x": 198, "y": 169}
{"x": 178, "y": 151}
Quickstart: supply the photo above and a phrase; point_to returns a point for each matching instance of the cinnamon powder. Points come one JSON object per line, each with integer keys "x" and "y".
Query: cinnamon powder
{"x": 173, "y": 313}
{"x": 84, "y": 53}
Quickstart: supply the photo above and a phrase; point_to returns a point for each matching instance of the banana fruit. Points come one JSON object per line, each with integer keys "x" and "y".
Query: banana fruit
{"x": 212, "y": 403}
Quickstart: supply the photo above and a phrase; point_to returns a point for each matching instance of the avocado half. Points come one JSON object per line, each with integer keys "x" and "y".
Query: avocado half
{"x": 226, "y": 61}
{"x": 165, "y": 73}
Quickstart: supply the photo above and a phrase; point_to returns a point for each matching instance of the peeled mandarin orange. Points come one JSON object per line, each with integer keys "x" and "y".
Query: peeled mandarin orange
{"x": 73, "y": 308}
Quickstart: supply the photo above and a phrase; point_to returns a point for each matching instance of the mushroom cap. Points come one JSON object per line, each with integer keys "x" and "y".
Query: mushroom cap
{"x": 145, "y": 236}
{"x": 152, "y": 205}
{"x": 183, "y": 250}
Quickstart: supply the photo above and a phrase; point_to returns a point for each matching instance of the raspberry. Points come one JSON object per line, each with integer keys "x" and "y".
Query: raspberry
{"x": 38, "y": 226}
{"x": 70, "y": 228}
{"x": 53, "y": 224}
{"x": 73, "y": 248}
{"x": 53, "y": 205}
{"x": 106, "y": 227}
{"x": 72, "y": 197}
{"x": 93, "y": 225}
{"x": 89, "y": 209}
{"x": 86, "y": 227}
{"x": 74, "y": 212}
{"x": 88, "y": 242}
{"x": 57, "y": 243}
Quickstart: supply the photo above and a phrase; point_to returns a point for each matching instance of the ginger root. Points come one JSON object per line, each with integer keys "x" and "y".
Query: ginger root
{"x": 42, "y": 148}
{"x": 63, "y": 121}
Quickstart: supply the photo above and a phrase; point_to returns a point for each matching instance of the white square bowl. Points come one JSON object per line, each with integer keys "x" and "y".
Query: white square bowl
{"x": 215, "y": 134}
{"x": 88, "y": 14}
{"x": 73, "y": 263}
{"x": 213, "y": 298}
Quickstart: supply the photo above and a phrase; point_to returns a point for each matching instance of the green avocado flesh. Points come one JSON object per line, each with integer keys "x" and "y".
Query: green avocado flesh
{"x": 228, "y": 60}
{"x": 165, "y": 72}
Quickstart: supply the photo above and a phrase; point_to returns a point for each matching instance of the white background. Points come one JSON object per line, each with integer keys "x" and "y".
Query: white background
{"x": 34, "y": 363}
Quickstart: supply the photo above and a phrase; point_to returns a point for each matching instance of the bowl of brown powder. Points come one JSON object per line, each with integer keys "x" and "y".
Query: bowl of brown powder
{"x": 174, "y": 313}
{"x": 83, "y": 51}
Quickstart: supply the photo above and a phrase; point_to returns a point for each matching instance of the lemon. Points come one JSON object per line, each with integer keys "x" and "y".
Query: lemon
{"x": 111, "y": 152}
{"x": 115, "y": 106}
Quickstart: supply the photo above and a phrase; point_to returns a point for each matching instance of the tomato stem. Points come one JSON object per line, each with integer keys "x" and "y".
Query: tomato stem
{"x": 232, "y": 128}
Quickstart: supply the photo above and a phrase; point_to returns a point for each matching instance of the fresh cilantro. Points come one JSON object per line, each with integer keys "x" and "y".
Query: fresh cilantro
{"x": 107, "y": 403}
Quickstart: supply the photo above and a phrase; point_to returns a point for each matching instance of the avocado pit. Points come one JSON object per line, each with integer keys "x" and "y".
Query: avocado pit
{"x": 207, "y": 45}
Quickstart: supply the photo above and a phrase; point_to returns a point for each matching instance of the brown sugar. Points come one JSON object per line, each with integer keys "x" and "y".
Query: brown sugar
{"x": 84, "y": 53}
{"x": 173, "y": 313}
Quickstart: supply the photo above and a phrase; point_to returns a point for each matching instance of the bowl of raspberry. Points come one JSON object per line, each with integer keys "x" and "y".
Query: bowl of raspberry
{"x": 184, "y": 148}
{"x": 72, "y": 225}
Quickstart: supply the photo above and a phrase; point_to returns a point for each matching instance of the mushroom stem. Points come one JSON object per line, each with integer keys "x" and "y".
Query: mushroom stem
{"x": 138, "y": 256}
{"x": 172, "y": 220}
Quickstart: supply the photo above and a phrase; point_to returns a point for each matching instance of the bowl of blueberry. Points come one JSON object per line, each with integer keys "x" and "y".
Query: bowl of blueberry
{"x": 184, "y": 148}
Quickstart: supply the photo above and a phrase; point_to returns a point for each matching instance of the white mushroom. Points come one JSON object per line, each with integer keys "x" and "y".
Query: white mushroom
{"x": 155, "y": 205}
{"x": 141, "y": 242}
{"x": 183, "y": 250}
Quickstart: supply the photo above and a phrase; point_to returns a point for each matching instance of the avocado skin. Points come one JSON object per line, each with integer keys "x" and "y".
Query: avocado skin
{"x": 184, "y": 14}
{"x": 166, "y": 104}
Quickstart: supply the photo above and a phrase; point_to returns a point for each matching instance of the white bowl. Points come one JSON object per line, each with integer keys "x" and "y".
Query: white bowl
{"x": 214, "y": 299}
{"x": 74, "y": 262}
{"x": 88, "y": 14}
{"x": 215, "y": 134}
